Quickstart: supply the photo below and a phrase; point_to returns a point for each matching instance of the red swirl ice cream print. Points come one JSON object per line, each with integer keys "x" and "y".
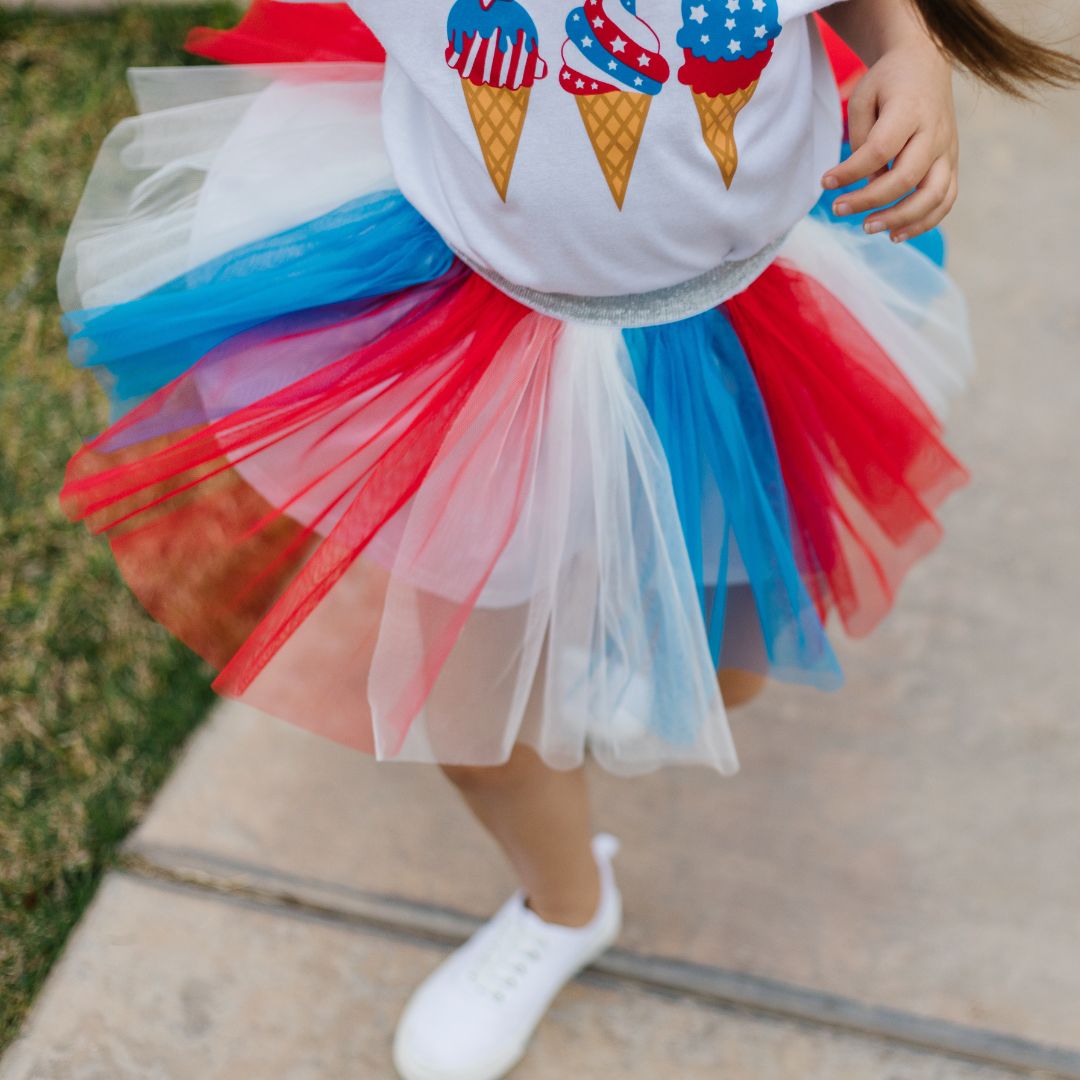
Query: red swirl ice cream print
{"x": 608, "y": 48}
{"x": 494, "y": 48}
{"x": 613, "y": 66}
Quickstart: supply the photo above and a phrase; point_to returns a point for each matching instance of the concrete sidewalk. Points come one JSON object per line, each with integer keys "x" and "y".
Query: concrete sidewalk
{"x": 889, "y": 889}
{"x": 176, "y": 982}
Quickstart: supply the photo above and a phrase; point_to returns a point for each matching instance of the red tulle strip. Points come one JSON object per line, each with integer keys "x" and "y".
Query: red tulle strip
{"x": 275, "y": 31}
{"x": 234, "y": 574}
{"x": 862, "y": 456}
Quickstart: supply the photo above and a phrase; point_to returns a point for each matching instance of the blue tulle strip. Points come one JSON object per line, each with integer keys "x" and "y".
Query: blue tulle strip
{"x": 698, "y": 386}
{"x": 366, "y": 248}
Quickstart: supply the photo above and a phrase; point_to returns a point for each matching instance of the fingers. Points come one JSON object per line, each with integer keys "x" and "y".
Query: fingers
{"x": 923, "y": 170}
{"x": 887, "y": 136}
{"x": 910, "y": 168}
{"x": 926, "y": 209}
{"x": 862, "y": 115}
{"x": 902, "y": 132}
{"x": 932, "y": 199}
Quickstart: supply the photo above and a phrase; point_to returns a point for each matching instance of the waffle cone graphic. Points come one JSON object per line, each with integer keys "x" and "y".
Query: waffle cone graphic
{"x": 717, "y": 116}
{"x": 498, "y": 114}
{"x": 614, "y": 122}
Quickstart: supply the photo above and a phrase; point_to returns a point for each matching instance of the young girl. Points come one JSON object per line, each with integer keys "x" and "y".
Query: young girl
{"x": 478, "y": 402}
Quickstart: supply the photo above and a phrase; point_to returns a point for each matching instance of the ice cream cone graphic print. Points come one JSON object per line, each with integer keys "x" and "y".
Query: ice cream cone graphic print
{"x": 726, "y": 45}
{"x": 493, "y": 46}
{"x": 613, "y": 67}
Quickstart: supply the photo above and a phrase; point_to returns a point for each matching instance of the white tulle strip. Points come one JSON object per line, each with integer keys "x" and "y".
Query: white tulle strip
{"x": 220, "y": 157}
{"x": 913, "y": 309}
{"x": 605, "y": 643}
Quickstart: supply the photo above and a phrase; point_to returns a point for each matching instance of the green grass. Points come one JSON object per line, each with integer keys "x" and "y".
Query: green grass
{"x": 95, "y": 699}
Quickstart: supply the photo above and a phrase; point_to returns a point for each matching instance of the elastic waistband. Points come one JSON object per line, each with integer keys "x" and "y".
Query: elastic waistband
{"x": 670, "y": 304}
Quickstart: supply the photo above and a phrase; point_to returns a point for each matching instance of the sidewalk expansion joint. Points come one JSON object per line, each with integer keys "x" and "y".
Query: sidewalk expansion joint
{"x": 716, "y": 986}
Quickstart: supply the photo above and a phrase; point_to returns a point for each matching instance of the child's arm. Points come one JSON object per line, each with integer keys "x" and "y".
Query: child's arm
{"x": 901, "y": 111}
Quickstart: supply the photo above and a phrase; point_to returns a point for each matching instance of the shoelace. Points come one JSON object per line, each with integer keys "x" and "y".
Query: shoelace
{"x": 514, "y": 949}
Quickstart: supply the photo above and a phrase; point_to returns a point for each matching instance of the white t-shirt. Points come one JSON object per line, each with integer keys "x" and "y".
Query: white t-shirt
{"x": 602, "y": 148}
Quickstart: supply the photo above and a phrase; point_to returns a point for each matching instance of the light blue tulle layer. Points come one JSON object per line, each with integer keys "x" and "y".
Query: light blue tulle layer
{"x": 693, "y": 377}
{"x": 697, "y": 384}
{"x": 366, "y": 248}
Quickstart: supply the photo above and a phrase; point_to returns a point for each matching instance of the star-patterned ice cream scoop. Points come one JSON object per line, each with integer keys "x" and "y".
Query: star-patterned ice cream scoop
{"x": 726, "y": 45}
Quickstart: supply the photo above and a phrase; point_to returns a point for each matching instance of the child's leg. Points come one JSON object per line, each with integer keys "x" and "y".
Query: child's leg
{"x": 737, "y": 687}
{"x": 540, "y": 818}
{"x": 476, "y": 1011}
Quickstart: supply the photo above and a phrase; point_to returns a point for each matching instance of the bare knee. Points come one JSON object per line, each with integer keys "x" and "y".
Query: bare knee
{"x": 481, "y": 778}
{"x": 738, "y": 687}
{"x": 523, "y": 768}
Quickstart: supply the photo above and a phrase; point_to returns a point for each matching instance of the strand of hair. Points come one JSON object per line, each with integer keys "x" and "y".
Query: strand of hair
{"x": 992, "y": 51}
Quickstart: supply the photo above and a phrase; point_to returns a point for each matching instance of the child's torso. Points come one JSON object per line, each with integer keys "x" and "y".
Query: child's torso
{"x": 603, "y": 147}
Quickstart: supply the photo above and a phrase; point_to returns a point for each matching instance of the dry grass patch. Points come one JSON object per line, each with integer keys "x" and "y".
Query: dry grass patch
{"x": 95, "y": 699}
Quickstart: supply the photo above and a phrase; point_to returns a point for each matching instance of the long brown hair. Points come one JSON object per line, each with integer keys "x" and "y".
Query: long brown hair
{"x": 980, "y": 42}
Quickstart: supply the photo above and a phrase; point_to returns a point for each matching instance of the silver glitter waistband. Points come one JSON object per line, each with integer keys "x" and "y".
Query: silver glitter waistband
{"x": 666, "y": 305}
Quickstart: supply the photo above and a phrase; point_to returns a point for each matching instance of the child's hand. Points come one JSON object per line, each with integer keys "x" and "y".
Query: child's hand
{"x": 901, "y": 111}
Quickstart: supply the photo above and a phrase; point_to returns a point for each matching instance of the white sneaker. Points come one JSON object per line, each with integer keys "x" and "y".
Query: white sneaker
{"x": 473, "y": 1016}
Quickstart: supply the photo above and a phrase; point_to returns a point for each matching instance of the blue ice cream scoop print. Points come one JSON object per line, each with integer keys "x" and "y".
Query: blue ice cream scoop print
{"x": 473, "y": 26}
{"x": 726, "y": 45}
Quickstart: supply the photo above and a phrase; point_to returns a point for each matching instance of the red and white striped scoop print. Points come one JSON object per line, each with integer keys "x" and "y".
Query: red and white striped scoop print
{"x": 494, "y": 43}
{"x": 484, "y": 63}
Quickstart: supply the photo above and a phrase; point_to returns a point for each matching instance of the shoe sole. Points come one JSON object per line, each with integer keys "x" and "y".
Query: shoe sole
{"x": 410, "y": 1069}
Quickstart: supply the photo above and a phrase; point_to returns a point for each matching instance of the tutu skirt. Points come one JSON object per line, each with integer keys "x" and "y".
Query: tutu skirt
{"x": 395, "y": 506}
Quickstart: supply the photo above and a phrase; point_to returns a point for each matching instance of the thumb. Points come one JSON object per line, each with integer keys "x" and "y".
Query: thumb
{"x": 862, "y": 112}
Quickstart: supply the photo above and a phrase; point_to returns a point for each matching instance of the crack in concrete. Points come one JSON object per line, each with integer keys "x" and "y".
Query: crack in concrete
{"x": 415, "y": 920}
